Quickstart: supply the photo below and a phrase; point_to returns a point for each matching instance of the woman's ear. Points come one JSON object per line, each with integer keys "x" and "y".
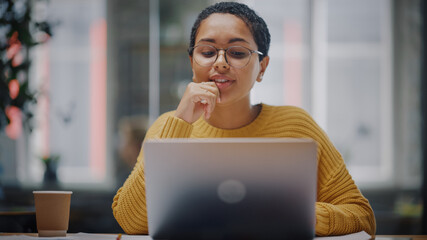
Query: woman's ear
{"x": 259, "y": 79}
{"x": 263, "y": 66}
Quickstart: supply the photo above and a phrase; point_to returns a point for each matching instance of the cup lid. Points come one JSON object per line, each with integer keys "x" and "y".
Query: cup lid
{"x": 53, "y": 192}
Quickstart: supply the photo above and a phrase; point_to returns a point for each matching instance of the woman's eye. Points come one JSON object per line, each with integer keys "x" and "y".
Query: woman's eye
{"x": 208, "y": 53}
{"x": 237, "y": 54}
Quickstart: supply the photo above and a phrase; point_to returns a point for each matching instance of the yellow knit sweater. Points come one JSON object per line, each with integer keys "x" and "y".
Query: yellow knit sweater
{"x": 340, "y": 207}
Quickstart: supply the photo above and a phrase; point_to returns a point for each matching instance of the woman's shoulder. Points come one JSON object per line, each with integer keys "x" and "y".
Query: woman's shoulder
{"x": 159, "y": 123}
{"x": 297, "y": 121}
{"x": 166, "y": 115}
{"x": 287, "y": 111}
{"x": 283, "y": 107}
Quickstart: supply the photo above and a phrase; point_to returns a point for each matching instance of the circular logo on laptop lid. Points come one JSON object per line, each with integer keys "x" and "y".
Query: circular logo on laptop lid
{"x": 231, "y": 191}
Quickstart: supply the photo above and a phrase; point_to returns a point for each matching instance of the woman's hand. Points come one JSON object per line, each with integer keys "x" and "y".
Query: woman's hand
{"x": 198, "y": 98}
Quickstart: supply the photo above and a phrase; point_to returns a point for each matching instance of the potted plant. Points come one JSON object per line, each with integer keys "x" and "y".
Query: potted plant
{"x": 19, "y": 32}
{"x": 51, "y": 165}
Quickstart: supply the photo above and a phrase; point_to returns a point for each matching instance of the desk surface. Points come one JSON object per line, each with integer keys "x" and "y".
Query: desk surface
{"x": 401, "y": 237}
{"x": 17, "y": 213}
{"x": 142, "y": 237}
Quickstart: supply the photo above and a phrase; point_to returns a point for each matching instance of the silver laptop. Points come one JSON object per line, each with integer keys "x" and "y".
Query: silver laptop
{"x": 231, "y": 188}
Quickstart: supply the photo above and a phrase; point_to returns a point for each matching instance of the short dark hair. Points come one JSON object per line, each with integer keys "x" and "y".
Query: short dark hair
{"x": 255, "y": 23}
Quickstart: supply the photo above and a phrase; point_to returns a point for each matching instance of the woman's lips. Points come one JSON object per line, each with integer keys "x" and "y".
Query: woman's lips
{"x": 222, "y": 83}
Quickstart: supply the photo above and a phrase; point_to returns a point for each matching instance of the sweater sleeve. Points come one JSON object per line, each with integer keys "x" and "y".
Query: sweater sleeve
{"x": 340, "y": 208}
{"x": 129, "y": 205}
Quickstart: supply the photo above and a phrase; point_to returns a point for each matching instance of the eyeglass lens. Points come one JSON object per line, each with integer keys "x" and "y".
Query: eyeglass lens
{"x": 206, "y": 55}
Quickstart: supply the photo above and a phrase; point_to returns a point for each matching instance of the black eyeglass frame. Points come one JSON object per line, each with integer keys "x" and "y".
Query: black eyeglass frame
{"x": 191, "y": 52}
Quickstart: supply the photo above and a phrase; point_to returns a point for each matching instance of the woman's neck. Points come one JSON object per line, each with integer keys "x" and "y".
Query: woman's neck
{"x": 233, "y": 116}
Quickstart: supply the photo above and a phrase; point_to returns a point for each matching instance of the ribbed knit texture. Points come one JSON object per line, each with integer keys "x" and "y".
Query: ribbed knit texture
{"x": 340, "y": 207}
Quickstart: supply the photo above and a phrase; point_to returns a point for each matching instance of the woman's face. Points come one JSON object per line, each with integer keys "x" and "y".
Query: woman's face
{"x": 222, "y": 31}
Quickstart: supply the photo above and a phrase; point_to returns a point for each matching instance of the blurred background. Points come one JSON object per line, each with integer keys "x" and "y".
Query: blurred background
{"x": 83, "y": 79}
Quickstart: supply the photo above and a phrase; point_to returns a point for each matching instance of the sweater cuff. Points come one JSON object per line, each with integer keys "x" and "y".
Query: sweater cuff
{"x": 176, "y": 128}
{"x": 322, "y": 219}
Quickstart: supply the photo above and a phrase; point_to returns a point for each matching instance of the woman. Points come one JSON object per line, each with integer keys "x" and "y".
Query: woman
{"x": 228, "y": 54}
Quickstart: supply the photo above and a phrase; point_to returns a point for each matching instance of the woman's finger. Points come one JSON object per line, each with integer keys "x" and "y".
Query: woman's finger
{"x": 199, "y": 98}
{"x": 211, "y": 102}
{"x": 213, "y": 89}
{"x": 208, "y": 99}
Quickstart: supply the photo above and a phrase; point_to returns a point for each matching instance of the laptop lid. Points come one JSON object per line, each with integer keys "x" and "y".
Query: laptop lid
{"x": 231, "y": 188}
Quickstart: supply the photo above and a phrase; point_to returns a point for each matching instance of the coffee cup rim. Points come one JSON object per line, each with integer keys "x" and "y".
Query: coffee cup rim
{"x": 52, "y": 192}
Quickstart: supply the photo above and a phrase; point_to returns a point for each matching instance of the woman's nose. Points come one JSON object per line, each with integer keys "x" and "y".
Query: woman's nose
{"x": 221, "y": 62}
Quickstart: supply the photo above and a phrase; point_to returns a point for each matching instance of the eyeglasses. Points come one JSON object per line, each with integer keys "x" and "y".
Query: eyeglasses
{"x": 235, "y": 56}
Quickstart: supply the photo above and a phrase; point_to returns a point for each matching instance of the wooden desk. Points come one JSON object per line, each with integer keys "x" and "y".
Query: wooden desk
{"x": 18, "y": 221}
{"x": 398, "y": 237}
{"x": 378, "y": 237}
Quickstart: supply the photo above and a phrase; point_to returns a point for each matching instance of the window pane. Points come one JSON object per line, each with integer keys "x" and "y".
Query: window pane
{"x": 354, "y": 85}
{"x": 288, "y": 75}
{"x": 359, "y": 87}
{"x": 70, "y": 75}
{"x": 354, "y": 21}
